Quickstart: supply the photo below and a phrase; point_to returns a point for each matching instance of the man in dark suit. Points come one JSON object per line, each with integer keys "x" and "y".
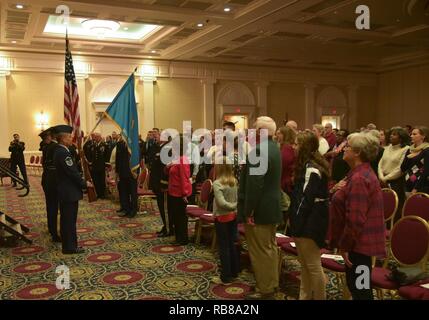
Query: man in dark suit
{"x": 98, "y": 165}
{"x": 127, "y": 185}
{"x": 158, "y": 183}
{"x": 69, "y": 186}
{"x": 16, "y": 149}
{"x": 259, "y": 208}
{"x": 49, "y": 182}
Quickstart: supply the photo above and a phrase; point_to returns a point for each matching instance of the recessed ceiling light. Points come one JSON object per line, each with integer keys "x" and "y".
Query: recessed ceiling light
{"x": 200, "y": 25}
{"x": 227, "y": 9}
{"x": 125, "y": 28}
{"x": 13, "y": 41}
{"x": 19, "y": 6}
{"x": 153, "y": 51}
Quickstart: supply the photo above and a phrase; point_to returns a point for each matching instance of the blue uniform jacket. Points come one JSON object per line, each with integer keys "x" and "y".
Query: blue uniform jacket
{"x": 69, "y": 180}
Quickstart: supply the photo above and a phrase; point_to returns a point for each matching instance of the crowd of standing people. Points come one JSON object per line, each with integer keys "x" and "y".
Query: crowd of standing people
{"x": 332, "y": 178}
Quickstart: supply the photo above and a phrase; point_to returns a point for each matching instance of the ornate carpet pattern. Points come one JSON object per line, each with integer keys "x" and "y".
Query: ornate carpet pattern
{"x": 123, "y": 260}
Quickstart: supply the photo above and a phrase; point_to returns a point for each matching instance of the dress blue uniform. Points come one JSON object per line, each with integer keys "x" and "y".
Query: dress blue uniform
{"x": 49, "y": 185}
{"x": 69, "y": 186}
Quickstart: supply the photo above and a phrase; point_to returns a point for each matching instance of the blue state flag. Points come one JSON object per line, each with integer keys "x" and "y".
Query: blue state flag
{"x": 123, "y": 111}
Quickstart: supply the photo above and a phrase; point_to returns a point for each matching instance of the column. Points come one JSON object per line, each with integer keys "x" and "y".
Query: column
{"x": 309, "y": 106}
{"x": 262, "y": 103}
{"x": 209, "y": 103}
{"x": 147, "y": 120}
{"x": 352, "y": 97}
{"x": 85, "y": 123}
{"x": 4, "y": 116}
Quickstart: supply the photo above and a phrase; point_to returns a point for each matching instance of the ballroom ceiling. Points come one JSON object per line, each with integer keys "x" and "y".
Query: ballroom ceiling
{"x": 288, "y": 33}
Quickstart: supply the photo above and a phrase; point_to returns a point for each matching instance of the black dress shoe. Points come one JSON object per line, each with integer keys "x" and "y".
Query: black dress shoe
{"x": 131, "y": 214}
{"x": 75, "y": 251}
{"x": 122, "y": 214}
{"x": 162, "y": 234}
{"x": 163, "y": 230}
{"x": 120, "y": 210}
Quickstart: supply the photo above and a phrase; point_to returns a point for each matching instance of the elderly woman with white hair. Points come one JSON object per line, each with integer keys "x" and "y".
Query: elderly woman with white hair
{"x": 357, "y": 226}
{"x": 259, "y": 208}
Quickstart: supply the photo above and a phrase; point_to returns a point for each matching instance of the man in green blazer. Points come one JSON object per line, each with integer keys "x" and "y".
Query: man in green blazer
{"x": 259, "y": 208}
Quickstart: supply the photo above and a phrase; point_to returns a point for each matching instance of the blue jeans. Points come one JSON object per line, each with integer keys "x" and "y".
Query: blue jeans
{"x": 226, "y": 233}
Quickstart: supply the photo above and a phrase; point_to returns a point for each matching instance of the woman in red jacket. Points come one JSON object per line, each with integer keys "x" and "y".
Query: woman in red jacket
{"x": 179, "y": 189}
{"x": 357, "y": 226}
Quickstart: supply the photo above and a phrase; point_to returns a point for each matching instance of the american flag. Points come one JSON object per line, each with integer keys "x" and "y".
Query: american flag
{"x": 71, "y": 96}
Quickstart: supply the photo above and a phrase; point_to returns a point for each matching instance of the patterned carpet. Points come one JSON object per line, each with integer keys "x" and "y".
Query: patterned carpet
{"x": 123, "y": 260}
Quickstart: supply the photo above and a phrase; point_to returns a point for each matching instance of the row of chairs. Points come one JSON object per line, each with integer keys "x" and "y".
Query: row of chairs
{"x": 35, "y": 165}
{"x": 407, "y": 241}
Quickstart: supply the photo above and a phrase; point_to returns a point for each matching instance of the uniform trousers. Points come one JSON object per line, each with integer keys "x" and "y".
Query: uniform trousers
{"x": 68, "y": 219}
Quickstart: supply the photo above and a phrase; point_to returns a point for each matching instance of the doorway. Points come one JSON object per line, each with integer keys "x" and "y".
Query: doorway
{"x": 334, "y": 120}
{"x": 241, "y": 121}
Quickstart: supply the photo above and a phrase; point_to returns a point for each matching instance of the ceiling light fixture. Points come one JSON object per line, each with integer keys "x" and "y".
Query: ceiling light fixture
{"x": 101, "y": 27}
{"x": 19, "y": 6}
{"x": 13, "y": 41}
{"x": 125, "y": 28}
{"x": 200, "y": 25}
{"x": 227, "y": 9}
{"x": 153, "y": 51}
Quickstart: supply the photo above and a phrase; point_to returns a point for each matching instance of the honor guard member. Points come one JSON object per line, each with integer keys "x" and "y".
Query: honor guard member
{"x": 49, "y": 182}
{"x": 69, "y": 186}
{"x": 16, "y": 149}
{"x": 158, "y": 183}
{"x": 127, "y": 185}
{"x": 98, "y": 166}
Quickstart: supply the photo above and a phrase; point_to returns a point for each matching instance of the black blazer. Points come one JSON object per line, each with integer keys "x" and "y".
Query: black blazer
{"x": 69, "y": 181}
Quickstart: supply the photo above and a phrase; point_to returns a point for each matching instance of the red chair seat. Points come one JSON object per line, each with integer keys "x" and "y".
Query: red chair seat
{"x": 207, "y": 218}
{"x": 196, "y": 213}
{"x": 379, "y": 279}
{"x": 147, "y": 193}
{"x": 287, "y": 248}
{"x": 414, "y": 291}
{"x": 193, "y": 208}
{"x": 333, "y": 265}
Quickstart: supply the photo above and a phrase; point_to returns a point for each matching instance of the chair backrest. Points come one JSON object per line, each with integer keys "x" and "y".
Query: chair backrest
{"x": 390, "y": 204}
{"x": 417, "y": 205}
{"x": 212, "y": 174}
{"x": 142, "y": 178}
{"x": 32, "y": 159}
{"x": 37, "y": 159}
{"x": 409, "y": 241}
{"x": 206, "y": 190}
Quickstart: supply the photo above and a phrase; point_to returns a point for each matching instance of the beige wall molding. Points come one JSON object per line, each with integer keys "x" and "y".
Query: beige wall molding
{"x": 54, "y": 63}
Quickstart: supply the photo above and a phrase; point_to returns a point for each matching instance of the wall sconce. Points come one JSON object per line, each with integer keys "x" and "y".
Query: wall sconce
{"x": 42, "y": 121}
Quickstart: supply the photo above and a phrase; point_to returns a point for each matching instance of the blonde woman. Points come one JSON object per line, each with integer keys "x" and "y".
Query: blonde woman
{"x": 224, "y": 210}
{"x": 318, "y": 130}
